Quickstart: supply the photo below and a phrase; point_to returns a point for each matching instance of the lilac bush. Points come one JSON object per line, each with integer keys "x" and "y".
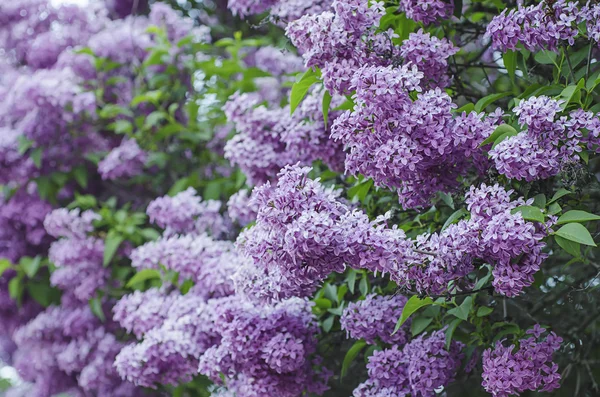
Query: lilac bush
{"x": 341, "y": 197}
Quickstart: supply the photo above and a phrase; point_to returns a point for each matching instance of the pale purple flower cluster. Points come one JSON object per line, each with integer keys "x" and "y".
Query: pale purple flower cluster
{"x": 418, "y": 369}
{"x": 187, "y": 213}
{"x": 67, "y": 349}
{"x": 430, "y": 54}
{"x": 284, "y": 10}
{"x": 545, "y": 25}
{"x": 268, "y": 138}
{"x": 21, "y": 224}
{"x": 266, "y": 350}
{"x": 417, "y": 148}
{"x": 374, "y": 318}
{"x": 549, "y": 141}
{"x": 512, "y": 370}
{"x": 125, "y": 161}
{"x": 241, "y": 208}
{"x": 78, "y": 257}
{"x": 427, "y": 11}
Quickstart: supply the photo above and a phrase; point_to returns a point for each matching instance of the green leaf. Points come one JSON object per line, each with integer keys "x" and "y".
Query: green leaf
{"x": 463, "y": 310}
{"x": 510, "y": 63}
{"x": 143, "y": 275}
{"x": 483, "y": 281}
{"x": 571, "y": 93}
{"x": 15, "y": 288}
{"x": 36, "y": 156}
{"x": 361, "y": 190}
{"x": 150, "y": 234}
{"x": 554, "y": 209}
{"x": 498, "y": 132}
{"x": 323, "y": 303}
{"x": 545, "y": 57}
{"x": 411, "y": 306}
{"x": 529, "y": 213}
{"x": 81, "y": 176}
{"x": 301, "y": 87}
{"x": 5, "y": 264}
{"x": 328, "y": 323}
{"x": 576, "y": 216}
{"x": 351, "y": 355}
{"x": 503, "y": 137}
{"x": 154, "y": 119}
{"x": 569, "y": 246}
{"x": 30, "y": 265}
{"x": 111, "y": 244}
{"x": 418, "y": 324}
{"x": 363, "y": 286}
{"x": 450, "y": 331}
{"x": 350, "y": 280}
{"x": 488, "y": 100}
{"x": 96, "y": 307}
{"x": 326, "y": 104}
{"x": 468, "y": 108}
{"x": 456, "y": 215}
{"x": 484, "y": 311}
{"x": 560, "y": 193}
{"x": 576, "y": 232}
{"x": 539, "y": 200}
{"x": 43, "y": 294}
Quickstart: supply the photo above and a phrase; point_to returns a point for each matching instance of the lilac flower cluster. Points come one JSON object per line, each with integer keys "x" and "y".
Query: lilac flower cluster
{"x": 421, "y": 367}
{"x": 124, "y": 161}
{"x": 512, "y": 370}
{"x": 268, "y": 138}
{"x": 78, "y": 257}
{"x": 280, "y": 10}
{"x": 375, "y": 318}
{"x": 545, "y": 25}
{"x": 241, "y": 208}
{"x": 549, "y": 141}
{"x": 417, "y": 148}
{"x": 187, "y": 213}
{"x": 67, "y": 349}
{"x": 428, "y": 11}
{"x": 266, "y": 350}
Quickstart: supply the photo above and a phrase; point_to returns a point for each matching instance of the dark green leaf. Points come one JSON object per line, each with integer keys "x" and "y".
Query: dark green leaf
{"x": 456, "y": 215}
{"x": 576, "y": 232}
{"x": 576, "y": 216}
{"x": 351, "y": 355}
{"x": 510, "y": 63}
{"x": 411, "y": 306}
{"x": 488, "y": 100}
{"x": 418, "y": 324}
{"x": 484, "y": 311}
{"x": 301, "y": 87}
{"x": 529, "y": 212}
{"x": 450, "y": 331}
{"x": 502, "y": 129}
{"x": 328, "y": 323}
{"x": 326, "y": 104}
{"x": 363, "y": 286}
{"x": 111, "y": 244}
{"x": 143, "y": 275}
{"x": 560, "y": 193}
{"x": 30, "y": 265}
{"x": 96, "y": 307}
{"x": 350, "y": 280}
{"x": 569, "y": 246}
{"x": 463, "y": 310}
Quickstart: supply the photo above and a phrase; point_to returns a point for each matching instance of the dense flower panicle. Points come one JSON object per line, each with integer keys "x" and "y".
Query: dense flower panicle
{"x": 239, "y": 208}
{"x": 70, "y": 223}
{"x": 375, "y": 318}
{"x": 430, "y": 54}
{"x": 186, "y": 212}
{"x": 427, "y": 11}
{"x": 266, "y": 350}
{"x": 177, "y": 26}
{"x": 67, "y": 348}
{"x": 545, "y": 25}
{"x": 125, "y": 161}
{"x": 421, "y": 367}
{"x": 269, "y": 137}
{"x": 511, "y": 371}
{"x": 280, "y": 10}
{"x": 549, "y": 141}
{"x": 417, "y": 148}
{"x": 22, "y": 230}
{"x": 207, "y": 262}
{"x": 276, "y": 61}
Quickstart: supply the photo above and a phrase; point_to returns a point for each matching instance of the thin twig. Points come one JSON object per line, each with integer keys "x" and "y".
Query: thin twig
{"x": 569, "y": 62}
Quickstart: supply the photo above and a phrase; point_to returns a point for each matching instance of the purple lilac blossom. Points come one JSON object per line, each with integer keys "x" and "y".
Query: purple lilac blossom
{"x": 512, "y": 370}
{"x": 125, "y": 161}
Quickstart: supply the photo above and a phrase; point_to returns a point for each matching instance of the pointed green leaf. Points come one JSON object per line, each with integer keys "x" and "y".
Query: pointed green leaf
{"x": 576, "y": 216}
{"x": 576, "y": 232}
{"x": 463, "y": 310}
{"x": 326, "y": 104}
{"x": 450, "y": 331}
{"x": 111, "y": 244}
{"x": 560, "y": 193}
{"x": 529, "y": 213}
{"x": 502, "y": 129}
{"x": 418, "y": 324}
{"x": 569, "y": 246}
{"x": 30, "y": 265}
{"x": 351, "y": 355}
{"x": 301, "y": 87}
{"x": 488, "y": 100}
{"x": 143, "y": 275}
{"x": 413, "y": 304}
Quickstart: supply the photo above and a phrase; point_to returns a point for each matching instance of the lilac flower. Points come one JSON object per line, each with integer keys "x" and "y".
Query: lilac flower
{"x": 428, "y": 11}
{"x": 509, "y": 370}
{"x": 375, "y": 318}
{"x": 125, "y": 161}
